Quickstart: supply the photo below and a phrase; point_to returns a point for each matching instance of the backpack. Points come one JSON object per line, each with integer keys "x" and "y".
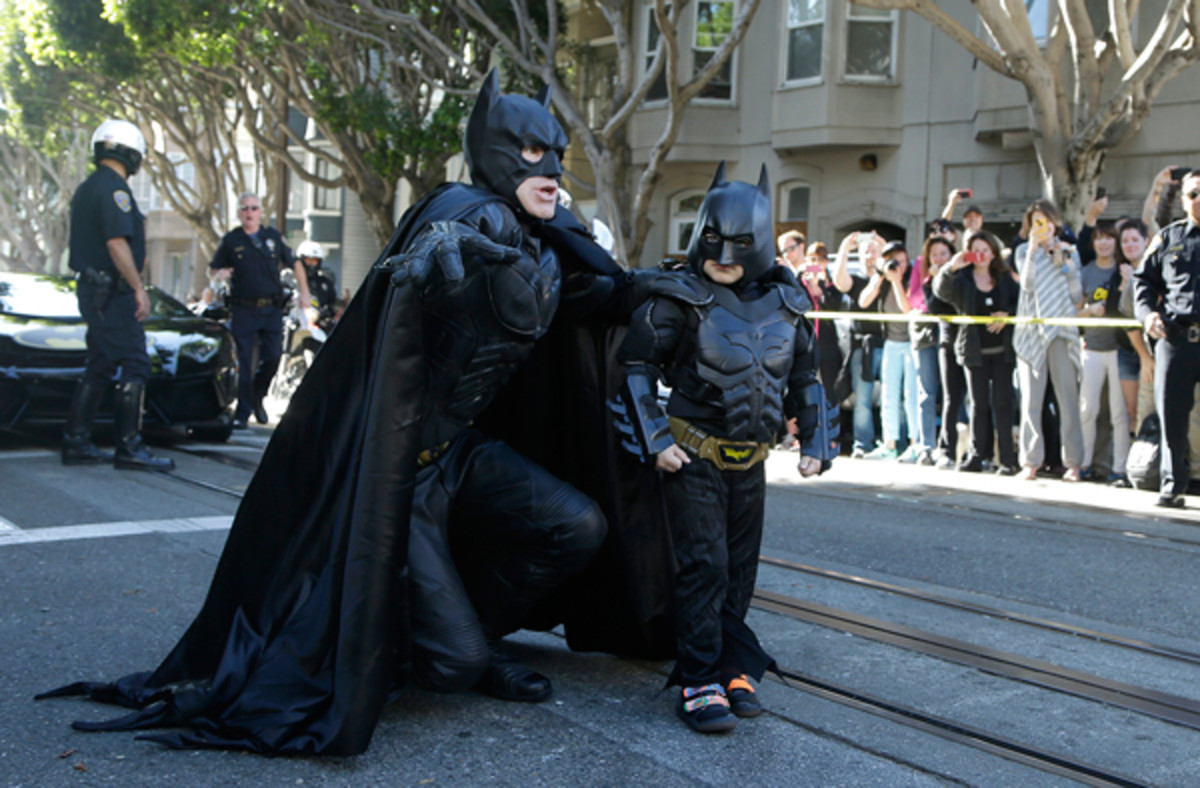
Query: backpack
{"x": 1142, "y": 464}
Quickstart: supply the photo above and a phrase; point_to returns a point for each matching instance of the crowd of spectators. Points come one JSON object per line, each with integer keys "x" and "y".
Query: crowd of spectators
{"x": 1036, "y": 398}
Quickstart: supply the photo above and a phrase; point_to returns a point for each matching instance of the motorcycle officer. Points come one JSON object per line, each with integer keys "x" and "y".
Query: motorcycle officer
{"x": 108, "y": 251}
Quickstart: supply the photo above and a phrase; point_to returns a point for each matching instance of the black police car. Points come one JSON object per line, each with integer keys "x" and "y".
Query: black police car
{"x": 193, "y": 385}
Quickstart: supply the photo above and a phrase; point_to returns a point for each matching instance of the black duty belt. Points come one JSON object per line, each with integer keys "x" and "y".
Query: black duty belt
{"x": 268, "y": 301}
{"x": 725, "y": 454}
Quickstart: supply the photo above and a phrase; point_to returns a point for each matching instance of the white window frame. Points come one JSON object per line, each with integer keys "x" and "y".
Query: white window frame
{"x": 788, "y": 27}
{"x": 323, "y": 168}
{"x": 648, "y": 52}
{"x": 678, "y": 218}
{"x": 733, "y": 57}
{"x": 893, "y": 18}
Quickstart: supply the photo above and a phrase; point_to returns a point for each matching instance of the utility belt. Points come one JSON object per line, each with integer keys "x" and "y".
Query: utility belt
{"x": 428, "y": 456}
{"x": 277, "y": 300}
{"x": 727, "y": 455}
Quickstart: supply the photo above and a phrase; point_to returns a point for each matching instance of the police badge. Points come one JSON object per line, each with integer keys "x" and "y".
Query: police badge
{"x": 122, "y": 200}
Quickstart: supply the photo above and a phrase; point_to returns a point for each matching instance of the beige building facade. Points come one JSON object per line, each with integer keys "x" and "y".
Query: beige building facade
{"x": 867, "y": 119}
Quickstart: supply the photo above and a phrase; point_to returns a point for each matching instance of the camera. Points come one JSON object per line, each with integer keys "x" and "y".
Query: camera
{"x": 972, "y": 257}
{"x": 965, "y": 194}
{"x": 1177, "y": 173}
{"x": 883, "y": 266}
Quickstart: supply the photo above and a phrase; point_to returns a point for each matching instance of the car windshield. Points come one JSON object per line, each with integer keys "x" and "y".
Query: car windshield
{"x": 53, "y": 297}
{"x": 40, "y": 296}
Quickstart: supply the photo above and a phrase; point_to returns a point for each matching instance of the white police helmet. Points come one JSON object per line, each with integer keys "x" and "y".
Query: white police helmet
{"x": 310, "y": 249}
{"x": 120, "y": 140}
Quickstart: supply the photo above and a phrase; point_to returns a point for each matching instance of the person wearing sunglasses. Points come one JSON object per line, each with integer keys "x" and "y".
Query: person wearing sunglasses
{"x": 250, "y": 258}
{"x": 1164, "y": 292}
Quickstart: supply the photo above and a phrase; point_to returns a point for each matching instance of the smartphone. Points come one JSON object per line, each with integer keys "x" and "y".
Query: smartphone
{"x": 1101, "y": 192}
{"x": 965, "y": 193}
{"x": 1177, "y": 173}
{"x": 813, "y": 269}
{"x": 973, "y": 257}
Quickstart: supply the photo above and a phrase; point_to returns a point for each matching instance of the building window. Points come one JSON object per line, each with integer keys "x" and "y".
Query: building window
{"x": 326, "y": 199}
{"x": 806, "y": 32}
{"x": 1039, "y": 18}
{"x": 714, "y": 22}
{"x": 683, "y": 219}
{"x": 658, "y": 91}
{"x": 870, "y": 43}
{"x": 796, "y": 204}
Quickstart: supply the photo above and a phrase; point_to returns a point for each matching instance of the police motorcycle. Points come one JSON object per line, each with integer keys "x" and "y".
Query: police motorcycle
{"x": 305, "y": 328}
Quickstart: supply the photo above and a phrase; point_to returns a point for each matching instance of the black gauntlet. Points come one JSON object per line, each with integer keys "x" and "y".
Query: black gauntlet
{"x": 818, "y": 425}
{"x": 644, "y": 428}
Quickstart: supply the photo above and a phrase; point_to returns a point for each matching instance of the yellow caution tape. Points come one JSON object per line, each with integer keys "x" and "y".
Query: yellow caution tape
{"x": 966, "y": 320}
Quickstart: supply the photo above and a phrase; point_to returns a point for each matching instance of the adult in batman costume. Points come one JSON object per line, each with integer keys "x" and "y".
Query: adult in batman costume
{"x": 729, "y": 335}
{"x": 424, "y": 537}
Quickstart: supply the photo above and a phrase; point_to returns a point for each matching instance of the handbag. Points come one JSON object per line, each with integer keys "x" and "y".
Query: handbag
{"x": 1145, "y": 454}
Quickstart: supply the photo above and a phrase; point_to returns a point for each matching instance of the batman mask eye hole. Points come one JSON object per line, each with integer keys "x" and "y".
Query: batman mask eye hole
{"x": 711, "y": 236}
{"x": 744, "y": 241}
{"x": 533, "y": 153}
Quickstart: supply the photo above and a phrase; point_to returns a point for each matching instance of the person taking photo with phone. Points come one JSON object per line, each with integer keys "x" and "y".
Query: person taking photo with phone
{"x": 978, "y": 282}
{"x": 1050, "y": 287}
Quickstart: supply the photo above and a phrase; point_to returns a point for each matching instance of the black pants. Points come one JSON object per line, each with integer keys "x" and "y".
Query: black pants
{"x": 991, "y": 387}
{"x": 716, "y": 529}
{"x": 116, "y": 340}
{"x": 953, "y": 388}
{"x": 1176, "y": 372}
{"x": 258, "y": 332}
{"x": 492, "y": 532}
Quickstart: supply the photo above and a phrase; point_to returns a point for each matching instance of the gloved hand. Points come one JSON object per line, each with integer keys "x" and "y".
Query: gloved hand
{"x": 436, "y": 257}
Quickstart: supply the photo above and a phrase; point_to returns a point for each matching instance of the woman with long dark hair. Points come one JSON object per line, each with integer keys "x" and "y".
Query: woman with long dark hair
{"x": 936, "y": 255}
{"x": 978, "y": 282}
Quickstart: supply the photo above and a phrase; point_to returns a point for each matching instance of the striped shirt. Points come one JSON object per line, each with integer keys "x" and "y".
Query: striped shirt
{"x": 1048, "y": 289}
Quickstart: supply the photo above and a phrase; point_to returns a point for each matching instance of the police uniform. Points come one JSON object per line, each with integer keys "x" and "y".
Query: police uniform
{"x": 103, "y": 208}
{"x": 1168, "y": 281}
{"x": 257, "y": 307}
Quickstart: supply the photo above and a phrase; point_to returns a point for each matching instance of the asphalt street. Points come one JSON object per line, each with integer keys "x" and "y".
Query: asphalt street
{"x": 101, "y": 572}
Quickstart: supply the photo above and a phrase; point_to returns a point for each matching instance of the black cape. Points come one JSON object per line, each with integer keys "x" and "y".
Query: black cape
{"x": 304, "y": 634}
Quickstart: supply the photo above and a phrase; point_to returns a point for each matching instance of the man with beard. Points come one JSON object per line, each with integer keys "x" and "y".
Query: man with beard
{"x": 729, "y": 336}
{"x": 423, "y": 538}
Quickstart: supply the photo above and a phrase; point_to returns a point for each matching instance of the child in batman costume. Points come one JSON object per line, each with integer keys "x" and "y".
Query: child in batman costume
{"x": 424, "y": 537}
{"x": 728, "y": 334}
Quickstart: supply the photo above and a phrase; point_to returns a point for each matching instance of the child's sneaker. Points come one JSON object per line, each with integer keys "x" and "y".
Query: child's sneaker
{"x": 706, "y": 709}
{"x": 743, "y": 701}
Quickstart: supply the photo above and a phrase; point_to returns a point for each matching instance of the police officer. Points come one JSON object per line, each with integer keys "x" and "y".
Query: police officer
{"x": 1165, "y": 293}
{"x": 250, "y": 257}
{"x": 321, "y": 283}
{"x": 108, "y": 250}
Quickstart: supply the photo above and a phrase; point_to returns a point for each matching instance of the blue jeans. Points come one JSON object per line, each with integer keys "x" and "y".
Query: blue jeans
{"x": 925, "y": 362}
{"x": 899, "y": 394}
{"x": 864, "y": 397}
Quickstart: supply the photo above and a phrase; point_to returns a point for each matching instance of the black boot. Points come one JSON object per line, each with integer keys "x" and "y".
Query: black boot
{"x": 77, "y": 446}
{"x": 507, "y": 679}
{"x": 127, "y": 423}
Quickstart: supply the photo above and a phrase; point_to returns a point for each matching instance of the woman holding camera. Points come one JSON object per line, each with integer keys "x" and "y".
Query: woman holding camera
{"x": 888, "y": 292}
{"x": 1050, "y": 288}
{"x": 978, "y": 282}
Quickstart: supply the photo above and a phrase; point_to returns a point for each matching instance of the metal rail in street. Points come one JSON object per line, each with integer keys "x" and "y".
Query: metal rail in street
{"x": 1135, "y": 644}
